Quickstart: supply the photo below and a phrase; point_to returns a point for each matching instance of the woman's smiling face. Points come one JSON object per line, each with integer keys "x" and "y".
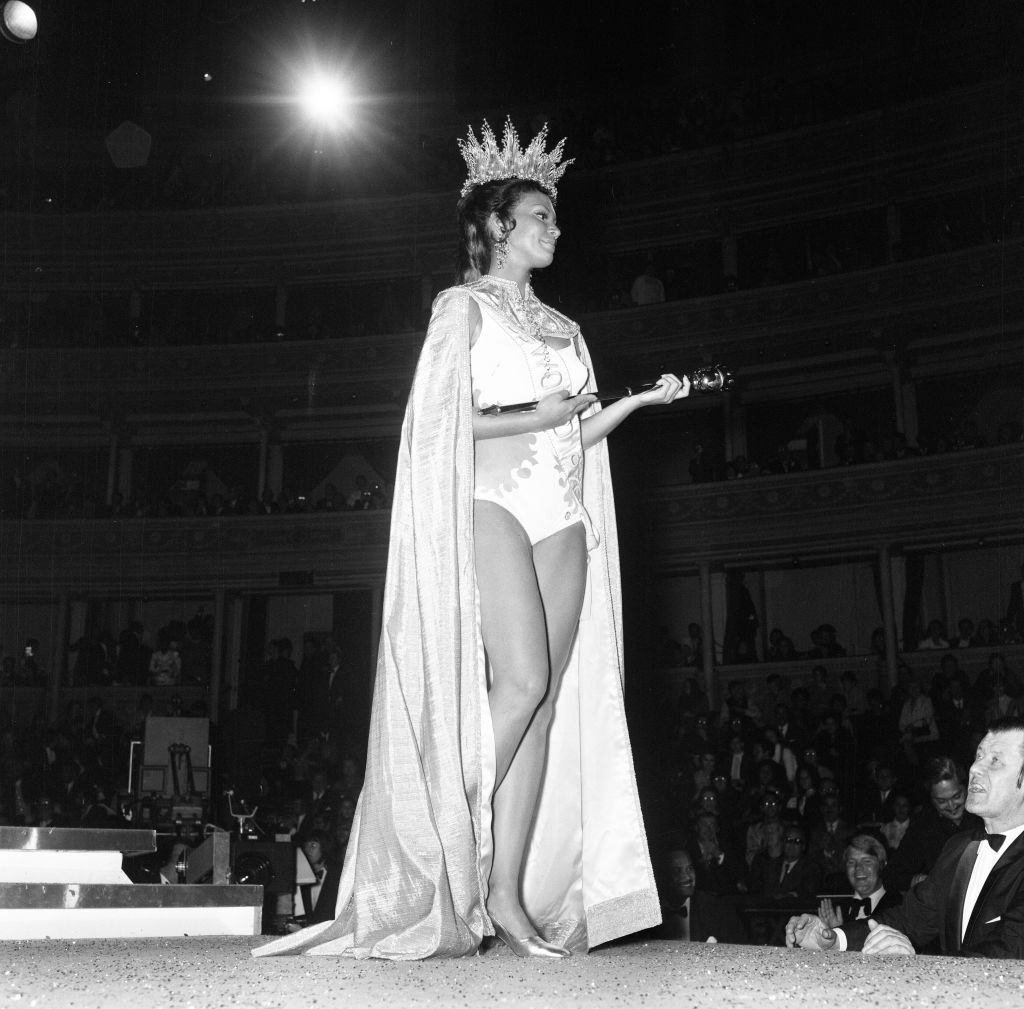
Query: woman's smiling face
{"x": 531, "y": 242}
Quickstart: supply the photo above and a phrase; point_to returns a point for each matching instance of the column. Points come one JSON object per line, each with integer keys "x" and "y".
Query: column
{"x": 888, "y": 613}
{"x": 280, "y": 305}
{"x": 112, "y": 466}
{"x": 735, "y": 427}
{"x": 233, "y": 650}
{"x": 275, "y": 467}
{"x": 707, "y": 632}
{"x": 894, "y": 232}
{"x": 896, "y": 377}
{"x": 217, "y": 652}
{"x": 59, "y": 665}
{"x": 261, "y": 479}
{"x": 124, "y": 472}
{"x": 762, "y": 612}
{"x": 909, "y": 400}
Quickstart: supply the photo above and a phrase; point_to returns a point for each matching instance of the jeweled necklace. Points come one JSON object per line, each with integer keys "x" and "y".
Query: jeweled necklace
{"x": 534, "y": 318}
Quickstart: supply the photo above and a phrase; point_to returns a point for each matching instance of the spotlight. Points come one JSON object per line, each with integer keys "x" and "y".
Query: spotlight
{"x": 207, "y": 77}
{"x": 326, "y": 100}
{"x": 18, "y": 22}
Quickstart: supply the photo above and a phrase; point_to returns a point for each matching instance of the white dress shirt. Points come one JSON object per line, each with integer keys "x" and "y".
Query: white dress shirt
{"x": 983, "y": 865}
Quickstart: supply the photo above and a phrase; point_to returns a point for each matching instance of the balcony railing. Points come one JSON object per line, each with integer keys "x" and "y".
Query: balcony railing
{"x": 929, "y": 502}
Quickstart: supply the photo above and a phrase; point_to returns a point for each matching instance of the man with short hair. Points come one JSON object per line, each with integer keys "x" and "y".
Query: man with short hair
{"x": 931, "y": 828}
{"x": 687, "y": 913}
{"x": 865, "y": 858}
{"x": 972, "y": 902}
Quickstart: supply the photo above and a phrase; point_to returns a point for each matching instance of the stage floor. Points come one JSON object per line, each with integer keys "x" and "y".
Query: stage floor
{"x": 205, "y": 973}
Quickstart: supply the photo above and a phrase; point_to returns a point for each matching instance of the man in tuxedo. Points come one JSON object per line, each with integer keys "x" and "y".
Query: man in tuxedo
{"x": 865, "y": 859}
{"x": 972, "y": 902}
{"x": 689, "y": 914}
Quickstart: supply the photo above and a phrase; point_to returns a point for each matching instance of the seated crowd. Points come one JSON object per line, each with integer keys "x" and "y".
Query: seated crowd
{"x": 817, "y": 798}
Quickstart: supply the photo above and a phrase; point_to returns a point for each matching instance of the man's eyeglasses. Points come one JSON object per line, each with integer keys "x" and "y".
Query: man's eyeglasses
{"x": 794, "y": 840}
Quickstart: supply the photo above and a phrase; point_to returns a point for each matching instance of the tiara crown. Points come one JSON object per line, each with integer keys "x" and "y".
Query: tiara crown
{"x": 487, "y": 161}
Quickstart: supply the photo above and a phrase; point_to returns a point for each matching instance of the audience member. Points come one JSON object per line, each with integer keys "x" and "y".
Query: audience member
{"x": 972, "y": 901}
{"x": 944, "y": 816}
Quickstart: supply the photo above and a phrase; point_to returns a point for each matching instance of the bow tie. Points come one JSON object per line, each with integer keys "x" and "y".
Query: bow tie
{"x": 863, "y": 904}
{"x": 995, "y": 840}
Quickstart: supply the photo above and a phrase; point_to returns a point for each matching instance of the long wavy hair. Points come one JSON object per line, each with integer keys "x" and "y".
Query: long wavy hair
{"x": 476, "y": 244}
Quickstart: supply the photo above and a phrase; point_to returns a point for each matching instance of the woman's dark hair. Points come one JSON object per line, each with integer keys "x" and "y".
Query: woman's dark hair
{"x": 473, "y": 258}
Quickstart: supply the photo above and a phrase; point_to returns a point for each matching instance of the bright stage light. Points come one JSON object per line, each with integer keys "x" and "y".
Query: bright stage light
{"x": 326, "y": 100}
{"x": 18, "y": 22}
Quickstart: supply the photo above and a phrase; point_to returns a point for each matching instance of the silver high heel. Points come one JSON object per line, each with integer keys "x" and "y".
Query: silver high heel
{"x": 530, "y": 945}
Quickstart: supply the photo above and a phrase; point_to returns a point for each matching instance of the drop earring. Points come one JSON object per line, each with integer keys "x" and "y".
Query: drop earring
{"x": 501, "y": 251}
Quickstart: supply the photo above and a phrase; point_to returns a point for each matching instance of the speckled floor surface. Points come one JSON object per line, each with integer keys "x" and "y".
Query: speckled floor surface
{"x": 208, "y": 973}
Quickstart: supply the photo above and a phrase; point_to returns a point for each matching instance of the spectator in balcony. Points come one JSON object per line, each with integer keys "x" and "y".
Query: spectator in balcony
{"x": 647, "y": 288}
{"x": 331, "y": 501}
{"x": 965, "y": 634}
{"x": 936, "y": 638}
{"x": 820, "y": 690}
{"x": 918, "y": 728}
{"x": 131, "y": 666}
{"x": 29, "y": 672}
{"x": 695, "y": 645}
{"x": 741, "y": 621}
{"x": 1014, "y": 618}
{"x": 165, "y": 663}
{"x": 986, "y": 636}
{"x": 998, "y": 690}
{"x": 856, "y": 698}
{"x": 360, "y": 497}
{"x": 780, "y": 648}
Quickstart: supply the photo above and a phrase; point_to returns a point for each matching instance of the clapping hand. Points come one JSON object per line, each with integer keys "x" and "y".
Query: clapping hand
{"x": 830, "y": 915}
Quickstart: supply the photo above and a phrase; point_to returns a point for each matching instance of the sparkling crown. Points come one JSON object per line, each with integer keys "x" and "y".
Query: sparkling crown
{"x": 487, "y": 162}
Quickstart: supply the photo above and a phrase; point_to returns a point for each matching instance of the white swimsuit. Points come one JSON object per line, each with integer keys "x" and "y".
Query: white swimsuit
{"x": 538, "y": 476}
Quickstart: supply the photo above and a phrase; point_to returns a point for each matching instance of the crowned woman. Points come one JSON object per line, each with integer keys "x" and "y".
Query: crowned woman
{"x": 500, "y": 797}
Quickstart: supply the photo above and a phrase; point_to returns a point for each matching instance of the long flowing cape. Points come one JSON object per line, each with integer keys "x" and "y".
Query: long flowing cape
{"x": 415, "y": 875}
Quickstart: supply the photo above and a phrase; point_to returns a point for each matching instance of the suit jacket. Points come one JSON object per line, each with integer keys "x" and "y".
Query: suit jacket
{"x": 932, "y": 909}
{"x": 323, "y": 909}
{"x": 802, "y": 880}
{"x": 924, "y": 840}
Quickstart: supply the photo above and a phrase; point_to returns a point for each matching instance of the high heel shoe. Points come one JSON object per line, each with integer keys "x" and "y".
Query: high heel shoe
{"x": 530, "y": 945}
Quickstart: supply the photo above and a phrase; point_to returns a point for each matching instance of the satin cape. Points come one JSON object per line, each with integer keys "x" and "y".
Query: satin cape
{"x": 415, "y": 875}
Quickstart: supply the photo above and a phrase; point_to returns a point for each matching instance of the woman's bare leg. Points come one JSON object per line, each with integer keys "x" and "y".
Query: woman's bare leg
{"x": 530, "y": 600}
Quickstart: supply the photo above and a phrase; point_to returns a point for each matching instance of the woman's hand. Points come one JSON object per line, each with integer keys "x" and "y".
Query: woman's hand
{"x": 668, "y": 390}
{"x": 558, "y": 408}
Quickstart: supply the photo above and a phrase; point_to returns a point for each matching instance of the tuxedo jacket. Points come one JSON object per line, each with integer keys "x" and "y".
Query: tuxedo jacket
{"x": 933, "y": 909}
{"x": 708, "y": 916}
{"x": 888, "y": 899}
